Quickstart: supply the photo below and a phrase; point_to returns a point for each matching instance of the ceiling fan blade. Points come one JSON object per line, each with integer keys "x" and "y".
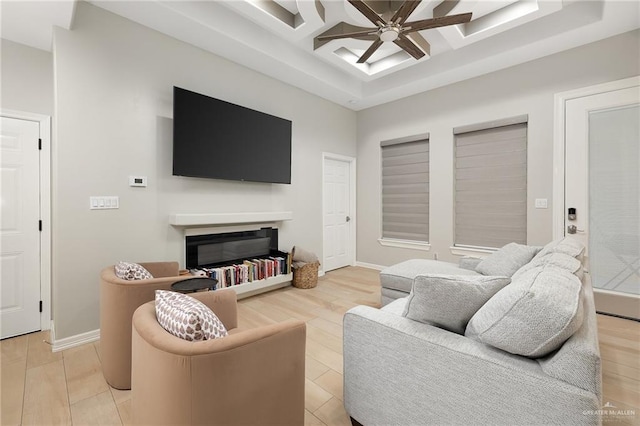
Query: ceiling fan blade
{"x": 343, "y": 30}
{"x": 402, "y": 14}
{"x": 369, "y": 13}
{"x": 366, "y": 55}
{"x": 409, "y": 46}
{"x": 355, "y": 34}
{"x": 443, "y": 21}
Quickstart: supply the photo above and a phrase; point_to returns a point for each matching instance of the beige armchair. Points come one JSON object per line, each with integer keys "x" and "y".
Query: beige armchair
{"x": 118, "y": 300}
{"x": 251, "y": 377}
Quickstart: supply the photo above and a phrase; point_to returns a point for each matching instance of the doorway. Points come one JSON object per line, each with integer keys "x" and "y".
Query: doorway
{"x": 339, "y": 208}
{"x": 600, "y": 204}
{"x": 25, "y": 223}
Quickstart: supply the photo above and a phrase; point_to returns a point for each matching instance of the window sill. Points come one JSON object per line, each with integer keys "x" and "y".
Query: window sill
{"x": 413, "y": 245}
{"x": 471, "y": 251}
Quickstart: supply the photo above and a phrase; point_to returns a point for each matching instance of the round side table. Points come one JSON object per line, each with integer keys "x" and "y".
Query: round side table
{"x": 192, "y": 285}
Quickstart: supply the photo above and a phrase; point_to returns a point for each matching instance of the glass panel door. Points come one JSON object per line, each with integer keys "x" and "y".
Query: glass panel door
{"x": 614, "y": 199}
{"x": 602, "y": 193}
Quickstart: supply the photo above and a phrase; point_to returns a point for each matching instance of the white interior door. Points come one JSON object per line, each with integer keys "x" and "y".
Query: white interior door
{"x": 19, "y": 231}
{"x": 337, "y": 209}
{"x": 602, "y": 184}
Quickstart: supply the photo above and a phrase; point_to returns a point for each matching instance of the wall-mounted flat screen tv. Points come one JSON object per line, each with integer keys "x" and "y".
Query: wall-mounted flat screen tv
{"x": 216, "y": 139}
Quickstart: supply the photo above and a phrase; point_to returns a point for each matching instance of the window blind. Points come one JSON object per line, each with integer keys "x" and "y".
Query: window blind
{"x": 491, "y": 186}
{"x": 405, "y": 191}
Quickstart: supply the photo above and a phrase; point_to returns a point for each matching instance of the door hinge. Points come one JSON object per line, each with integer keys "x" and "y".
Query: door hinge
{"x": 41, "y": 306}
{"x": 40, "y": 144}
{"x": 40, "y": 225}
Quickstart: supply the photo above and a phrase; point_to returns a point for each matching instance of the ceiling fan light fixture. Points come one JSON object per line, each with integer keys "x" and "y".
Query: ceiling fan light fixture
{"x": 389, "y": 34}
{"x": 396, "y": 29}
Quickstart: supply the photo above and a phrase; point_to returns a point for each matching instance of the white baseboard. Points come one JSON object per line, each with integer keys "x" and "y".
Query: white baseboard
{"x": 52, "y": 333}
{"x": 370, "y": 266}
{"x": 73, "y": 341}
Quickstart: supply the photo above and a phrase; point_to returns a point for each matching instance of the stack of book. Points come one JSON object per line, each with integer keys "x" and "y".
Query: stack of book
{"x": 249, "y": 270}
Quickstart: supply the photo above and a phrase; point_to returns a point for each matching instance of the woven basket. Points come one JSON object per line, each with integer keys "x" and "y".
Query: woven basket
{"x": 307, "y": 276}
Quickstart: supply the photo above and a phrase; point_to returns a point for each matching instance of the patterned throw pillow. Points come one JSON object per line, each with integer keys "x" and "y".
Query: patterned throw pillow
{"x": 186, "y": 317}
{"x": 132, "y": 271}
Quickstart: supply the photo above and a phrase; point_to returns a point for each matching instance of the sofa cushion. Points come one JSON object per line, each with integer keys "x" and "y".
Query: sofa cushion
{"x": 131, "y": 271}
{"x": 507, "y": 260}
{"x": 388, "y": 295}
{"x": 396, "y": 306}
{"x": 469, "y": 262}
{"x": 449, "y": 301}
{"x": 533, "y": 315}
{"x": 400, "y": 276}
{"x": 186, "y": 317}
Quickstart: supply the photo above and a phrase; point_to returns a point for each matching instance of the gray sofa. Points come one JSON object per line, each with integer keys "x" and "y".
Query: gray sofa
{"x": 493, "y": 370}
{"x": 396, "y": 280}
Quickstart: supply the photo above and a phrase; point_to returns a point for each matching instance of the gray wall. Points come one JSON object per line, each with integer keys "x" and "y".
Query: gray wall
{"x": 525, "y": 89}
{"x": 26, "y": 74}
{"x": 113, "y": 80}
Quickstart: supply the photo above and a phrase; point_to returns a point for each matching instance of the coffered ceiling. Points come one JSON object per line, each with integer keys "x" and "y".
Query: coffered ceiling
{"x": 277, "y": 38}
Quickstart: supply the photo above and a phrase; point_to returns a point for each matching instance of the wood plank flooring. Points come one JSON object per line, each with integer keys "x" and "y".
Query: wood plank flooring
{"x": 39, "y": 387}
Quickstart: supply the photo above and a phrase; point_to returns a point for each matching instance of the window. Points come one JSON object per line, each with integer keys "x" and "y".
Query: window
{"x": 405, "y": 189}
{"x": 491, "y": 184}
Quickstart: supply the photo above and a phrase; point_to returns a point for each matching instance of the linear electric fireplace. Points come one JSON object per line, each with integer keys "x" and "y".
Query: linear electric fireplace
{"x": 213, "y": 250}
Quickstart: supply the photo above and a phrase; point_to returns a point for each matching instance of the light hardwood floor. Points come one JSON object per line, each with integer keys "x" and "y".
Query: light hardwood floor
{"x": 45, "y": 388}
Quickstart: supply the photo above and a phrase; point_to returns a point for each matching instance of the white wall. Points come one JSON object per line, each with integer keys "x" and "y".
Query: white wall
{"x": 113, "y": 85}
{"x": 525, "y": 89}
{"x": 26, "y": 82}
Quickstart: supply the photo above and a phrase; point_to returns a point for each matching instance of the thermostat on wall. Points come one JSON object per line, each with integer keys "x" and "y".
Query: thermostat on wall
{"x": 137, "y": 181}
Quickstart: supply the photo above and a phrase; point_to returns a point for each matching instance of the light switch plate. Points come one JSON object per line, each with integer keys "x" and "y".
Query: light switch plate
{"x": 104, "y": 202}
{"x": 541, "y": 203}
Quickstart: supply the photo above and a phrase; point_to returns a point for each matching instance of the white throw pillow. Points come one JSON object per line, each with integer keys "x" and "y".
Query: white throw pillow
{"x": 507, "y": 260}
{"x": 131, "y": 271}
{"x": 449, "y": 301}
{"x": 186, "y": 317}
{"x": 533, "y": 315}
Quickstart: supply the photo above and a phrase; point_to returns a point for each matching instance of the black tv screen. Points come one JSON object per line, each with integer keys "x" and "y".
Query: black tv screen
{"x": 219, "y": 140}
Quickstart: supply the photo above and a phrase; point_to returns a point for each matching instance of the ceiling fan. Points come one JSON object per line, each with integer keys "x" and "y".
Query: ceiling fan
{"x": 395, "y": 29}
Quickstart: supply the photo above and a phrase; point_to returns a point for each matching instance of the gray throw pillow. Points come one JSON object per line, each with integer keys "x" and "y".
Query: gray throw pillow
{"x": 507, "y": 260}
{"x": 559, "y": 260}
{"x": 566, "y": 245}
{"x": 449, "y": 301}
{"x": 533, "y": 315}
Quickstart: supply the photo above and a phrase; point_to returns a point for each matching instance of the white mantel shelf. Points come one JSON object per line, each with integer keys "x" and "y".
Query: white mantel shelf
{"x": 209, "y": 219}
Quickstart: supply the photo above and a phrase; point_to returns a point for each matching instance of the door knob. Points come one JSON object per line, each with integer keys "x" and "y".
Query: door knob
{"x": 572, "y": 229}
{"x": 348, "y": 219}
